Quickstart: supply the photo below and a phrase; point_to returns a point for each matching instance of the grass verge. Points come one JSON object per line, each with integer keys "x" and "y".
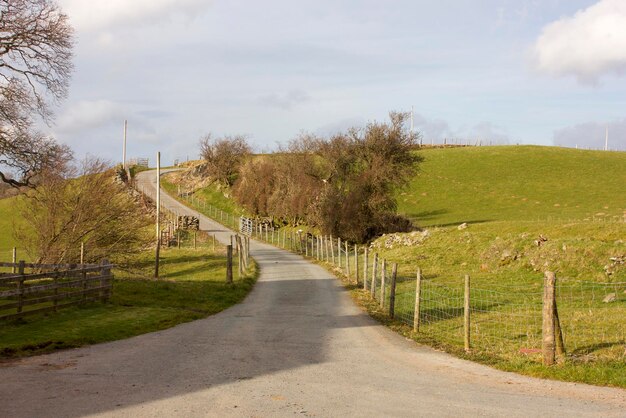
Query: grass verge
{"x": 191, "y": 286}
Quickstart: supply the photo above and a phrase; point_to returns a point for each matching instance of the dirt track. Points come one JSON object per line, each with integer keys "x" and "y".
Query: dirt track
{"x": 296, "y": 345}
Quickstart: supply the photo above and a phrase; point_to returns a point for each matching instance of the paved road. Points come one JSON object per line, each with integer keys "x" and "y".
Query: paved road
{"x": 296, "y": 346}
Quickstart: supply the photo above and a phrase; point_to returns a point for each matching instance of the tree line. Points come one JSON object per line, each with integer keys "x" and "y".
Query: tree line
{"x": 343, "y": 185}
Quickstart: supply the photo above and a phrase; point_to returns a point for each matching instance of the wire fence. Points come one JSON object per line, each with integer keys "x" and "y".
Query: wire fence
{"x": 504, "y": 317}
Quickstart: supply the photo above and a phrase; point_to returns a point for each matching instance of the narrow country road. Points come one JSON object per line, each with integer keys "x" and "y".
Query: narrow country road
{"x": 297, "y": 345}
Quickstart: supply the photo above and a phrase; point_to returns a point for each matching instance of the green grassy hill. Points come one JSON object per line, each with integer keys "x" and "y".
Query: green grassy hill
{"x": 517, "y": 183}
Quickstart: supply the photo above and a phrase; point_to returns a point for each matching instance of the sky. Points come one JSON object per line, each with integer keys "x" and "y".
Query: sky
{"x": 547, "y": 72}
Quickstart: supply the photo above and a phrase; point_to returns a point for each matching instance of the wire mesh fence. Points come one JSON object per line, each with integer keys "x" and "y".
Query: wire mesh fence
{"x": 505, "y": 316}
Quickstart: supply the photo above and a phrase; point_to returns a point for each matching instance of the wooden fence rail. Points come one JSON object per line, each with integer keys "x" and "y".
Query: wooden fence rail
{"x": 23, "y": 293}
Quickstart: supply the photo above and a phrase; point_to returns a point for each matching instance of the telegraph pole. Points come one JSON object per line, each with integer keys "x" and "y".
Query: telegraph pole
{"x": 158, "y": 214}
{"x": 124, "y": 146}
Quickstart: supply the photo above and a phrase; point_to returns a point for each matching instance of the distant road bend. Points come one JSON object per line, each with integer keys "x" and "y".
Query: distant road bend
{"x": 296, "y": 345}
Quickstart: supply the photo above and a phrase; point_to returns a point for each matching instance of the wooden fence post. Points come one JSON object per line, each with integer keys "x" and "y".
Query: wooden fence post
{"x": 332, "y": 249}
{"x": 418, "y": 297}
{"x": 392, "y": 291}
{"x": 365, "y": 255}
{"x": 374, "y": 273}
{"x": 239, "y": 256}
{"x": 14, "y": 259}
{"x": 229, "y": 264}
{"x": 356, "y": 265}
{"x": 558, "y": 332}
{"x": 83, "y": 276}
{"x": 547, "y": 328}
{"x": 383, "y": 272}
{"x": 466, "y": 311}
{"x": 105, "y": 274}
{"x": 347, "y": 261}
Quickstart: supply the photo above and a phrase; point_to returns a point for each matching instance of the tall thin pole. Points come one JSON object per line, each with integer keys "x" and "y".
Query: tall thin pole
{"x": 124, "y": 148}
{"x": 158, "y": 214}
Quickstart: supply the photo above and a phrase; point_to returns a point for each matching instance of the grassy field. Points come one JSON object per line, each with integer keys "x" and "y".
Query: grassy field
{"x": 516, "y": 183}
{"x": 191, "y": 286}
{"x": 528, "y": 210}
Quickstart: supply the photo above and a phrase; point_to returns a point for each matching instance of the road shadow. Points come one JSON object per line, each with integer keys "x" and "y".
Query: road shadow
{"x": 285, "y": 323}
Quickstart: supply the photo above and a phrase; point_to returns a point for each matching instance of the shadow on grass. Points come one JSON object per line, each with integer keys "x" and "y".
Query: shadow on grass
{"x": 588, "y": 349}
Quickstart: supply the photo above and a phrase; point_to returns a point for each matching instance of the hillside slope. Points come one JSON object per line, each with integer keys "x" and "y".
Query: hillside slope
{"x": 525, "y": 183}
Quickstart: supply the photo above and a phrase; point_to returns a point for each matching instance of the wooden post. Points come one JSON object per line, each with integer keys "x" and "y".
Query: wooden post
{"x": 239, "y": 257}
{"x": 466, "y": 311}
{"x": 332, "y": 248}
{"x": 105, "y": 274}
{"x": 20, "y": 286}
{"x": 84, "y": 283}
{"x": 560, "y": 346}
{"x": 383, "y": 271}
{"x": 229, "y": 264}
{"x": 392, "y": 291}
{"x": 374, "y": 272}
{"x": 365, "y": 261}
{"x": 356, "y": 264}
{"x": 547, "y": 344}
{"x": 158, "y": 215}
{"x": 326, "y": 241}
{"x": 82, "y": 253}
{"x": 14, "y": 259}
{"x": 418, "y": 297}
{"x": 347, "y": 261}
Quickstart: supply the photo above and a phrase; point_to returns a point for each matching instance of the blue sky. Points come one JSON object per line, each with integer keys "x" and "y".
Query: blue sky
{"x": 503, "y": 71}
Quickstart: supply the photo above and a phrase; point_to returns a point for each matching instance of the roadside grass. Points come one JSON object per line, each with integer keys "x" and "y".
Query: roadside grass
{"x": 212, "y": 194}
{"x": 191, "y": 286}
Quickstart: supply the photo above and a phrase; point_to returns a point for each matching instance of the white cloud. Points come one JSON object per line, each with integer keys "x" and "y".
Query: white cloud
{"x": 96, "y": 15}
{"x": 85, "y": 115}
{"x": 587, "y": 45}
{"x": 286, "y": 101}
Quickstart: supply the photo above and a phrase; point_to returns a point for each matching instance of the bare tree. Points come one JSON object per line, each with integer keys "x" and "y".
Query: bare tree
{"x": 224, "y": 156}
{"x": 36, "y": 42}
{"x": 82, "y": 204}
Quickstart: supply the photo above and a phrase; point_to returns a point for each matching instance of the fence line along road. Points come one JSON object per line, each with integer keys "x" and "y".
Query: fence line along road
{"x": 297, "y": 345}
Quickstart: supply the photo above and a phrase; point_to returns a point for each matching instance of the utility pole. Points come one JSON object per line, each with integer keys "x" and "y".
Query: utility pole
{"x": 158, "y": 214}
{"x": 124, "y": 147}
